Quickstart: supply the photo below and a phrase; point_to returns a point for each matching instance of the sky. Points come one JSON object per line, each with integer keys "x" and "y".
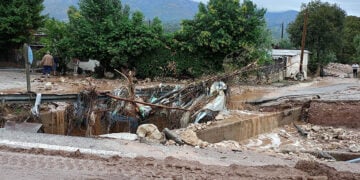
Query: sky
{"x": 352, "y": 7}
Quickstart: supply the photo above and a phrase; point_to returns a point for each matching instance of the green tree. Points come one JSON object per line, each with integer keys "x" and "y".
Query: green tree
{"x": 106, "y": 31}
{"x": 356, "y": 44}
{"x": 351, "y": 30}
{"x": 19, "y": 20}
{"x": 57, "y": 39}
{"x": 224, "y": 27}
{"x": 324, "y": 31}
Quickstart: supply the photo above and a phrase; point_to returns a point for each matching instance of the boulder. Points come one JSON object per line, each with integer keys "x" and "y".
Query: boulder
{"x": 354, "y": 148}
{"x": 190, "y": 137}
{"x": 150, "y": 133}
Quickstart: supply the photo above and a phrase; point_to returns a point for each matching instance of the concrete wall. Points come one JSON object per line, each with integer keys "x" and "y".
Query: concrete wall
{"x": 293, "y": 64}
{"x": 241, "y": 129}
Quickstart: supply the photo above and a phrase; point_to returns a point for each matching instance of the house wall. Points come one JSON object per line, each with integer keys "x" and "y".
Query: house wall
{"x": 293, "y": 65}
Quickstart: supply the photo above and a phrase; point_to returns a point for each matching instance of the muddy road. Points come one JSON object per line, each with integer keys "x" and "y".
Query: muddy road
{"x": 39, "y": 164}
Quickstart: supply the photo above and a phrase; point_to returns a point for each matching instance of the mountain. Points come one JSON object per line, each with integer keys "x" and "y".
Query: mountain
{"x": 166, "y": 10}
{"x": 171, "y": 12}
{"x": 275, "y": 20}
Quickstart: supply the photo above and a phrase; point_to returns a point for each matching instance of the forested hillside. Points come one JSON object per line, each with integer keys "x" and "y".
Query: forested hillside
{"x": 171, "y": 12}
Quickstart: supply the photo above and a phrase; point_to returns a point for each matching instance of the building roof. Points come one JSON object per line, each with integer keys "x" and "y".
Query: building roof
{"x": 287, "y": 52}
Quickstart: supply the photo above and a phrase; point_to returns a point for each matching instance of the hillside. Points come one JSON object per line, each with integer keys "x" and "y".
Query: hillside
{"x": 166, "y": 10}
{"x": 171, "y": 12}
{"x": 275, "y": 19}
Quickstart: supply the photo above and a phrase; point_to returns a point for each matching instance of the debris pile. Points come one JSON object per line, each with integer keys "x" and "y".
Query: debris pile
{"x": 322, "y": 142}
{"x": 338, "y": 70}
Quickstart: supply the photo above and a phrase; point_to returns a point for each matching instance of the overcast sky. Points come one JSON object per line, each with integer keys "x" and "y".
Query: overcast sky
{"x": 352, "y": 7}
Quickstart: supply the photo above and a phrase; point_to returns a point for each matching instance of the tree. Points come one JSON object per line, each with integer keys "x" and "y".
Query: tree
{"x": 356, "y": 44}
{"x": 57, "y": 38}
{"x": 19, "y": 20}
{"x": 324, "y": 31}
{"x": 224, "y": 27}
{"x": 105, "y": 30}
{"x": 351, "y": 30}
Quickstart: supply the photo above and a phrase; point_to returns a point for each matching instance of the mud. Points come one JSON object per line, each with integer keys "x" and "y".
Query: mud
{"x": 41, "y": 163}
{"x": 321, "y": 170}
{"x": 336, "y": 113}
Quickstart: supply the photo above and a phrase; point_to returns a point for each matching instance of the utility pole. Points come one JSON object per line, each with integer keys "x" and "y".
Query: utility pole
{"x": 28, "y": 56}
{"x": 282, "y": 30}
{"x": 27, "y": 67}
{"x": 303, "y": 42}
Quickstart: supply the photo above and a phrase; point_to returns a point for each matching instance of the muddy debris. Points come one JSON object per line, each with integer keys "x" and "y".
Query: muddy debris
{"x": 338, "y": 70}
{"x": 321, "y": 170}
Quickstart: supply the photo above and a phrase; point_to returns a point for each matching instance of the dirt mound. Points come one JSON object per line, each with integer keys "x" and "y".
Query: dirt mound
{"x": 316, "y": 169}
{"x": 337, "y": 70}
{"x": 335, "y": 114}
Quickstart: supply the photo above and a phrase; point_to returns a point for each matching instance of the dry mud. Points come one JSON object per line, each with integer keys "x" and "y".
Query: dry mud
{"x": 38, "y": 163}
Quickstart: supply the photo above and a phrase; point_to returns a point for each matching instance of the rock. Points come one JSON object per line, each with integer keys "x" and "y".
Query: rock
{"x": 48, "y": 86}
{"x": 150, "y": 133}
{"x": 228, "y": 145}
{"x": 284, "y": 134}
{"x": 170, "y": 142}
{"x": 290, "y": 148}
{"x": 337, "y": 131}
{"x": 354, "y": 148}
{"x": 315, "y": 128}
{"x": 123, "y": 136}
{"x": 147, "y": 80}
{"x": 342, "y": 136}
{"x": 109, "y": 75}
{"x": 190, "y": 137}
{"x": 219, "y": 117}
{"x": 62, "y": 79}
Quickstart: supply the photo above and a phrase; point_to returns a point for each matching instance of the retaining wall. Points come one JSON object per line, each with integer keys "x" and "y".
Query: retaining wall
{"x": 241, "y": 129}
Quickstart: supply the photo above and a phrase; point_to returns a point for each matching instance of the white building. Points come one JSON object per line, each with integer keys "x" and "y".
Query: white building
{"x": 291, "y": 60}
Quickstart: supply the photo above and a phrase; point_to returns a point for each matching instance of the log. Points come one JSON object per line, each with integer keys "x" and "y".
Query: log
{"x": 148, "y": 104}
{"x": 301, "y": 131}
{"x": 172, "y": 136}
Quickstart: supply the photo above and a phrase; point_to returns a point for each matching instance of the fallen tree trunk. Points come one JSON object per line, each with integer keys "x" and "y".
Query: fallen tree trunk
{"x": 301, "y": 131}
{"x": 172, "y": 136}
{"x": 148, "y": 104}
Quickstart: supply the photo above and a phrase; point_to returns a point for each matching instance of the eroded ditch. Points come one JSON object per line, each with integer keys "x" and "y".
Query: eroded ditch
{"x": 262, "y": 128}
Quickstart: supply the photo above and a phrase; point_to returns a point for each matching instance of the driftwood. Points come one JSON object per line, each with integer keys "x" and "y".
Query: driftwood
{"x": 148, "y": 104}
{"x": 172, "y": 136}
{"x": 189, "y": 91}
{"x": 301, "y": 131}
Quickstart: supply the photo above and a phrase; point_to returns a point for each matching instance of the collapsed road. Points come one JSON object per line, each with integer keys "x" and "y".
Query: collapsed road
{"x": 264, "y": 157}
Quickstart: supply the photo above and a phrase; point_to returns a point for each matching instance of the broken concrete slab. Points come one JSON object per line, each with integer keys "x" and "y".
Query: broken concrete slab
{"x": 122, "y": 136}
{"x": 24, "y": 127}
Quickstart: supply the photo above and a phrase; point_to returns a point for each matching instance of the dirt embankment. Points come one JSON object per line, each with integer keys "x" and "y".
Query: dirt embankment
{"x": 337, "y": 113}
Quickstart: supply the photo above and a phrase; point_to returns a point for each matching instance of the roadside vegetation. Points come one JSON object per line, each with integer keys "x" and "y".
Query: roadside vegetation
{"x": 223, "y": 34}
